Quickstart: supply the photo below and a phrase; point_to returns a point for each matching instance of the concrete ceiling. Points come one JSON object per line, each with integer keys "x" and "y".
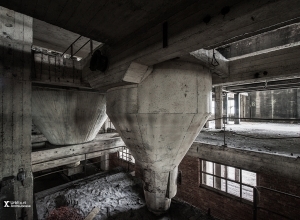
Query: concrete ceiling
{"x": 58, "y": 39}
{"x": 133, "y": 31}
{"x": 102, "y": 20}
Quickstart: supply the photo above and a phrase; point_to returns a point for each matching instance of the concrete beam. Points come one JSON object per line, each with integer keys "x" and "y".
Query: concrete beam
{"x": 243, "y": 17}
{"x": 135, "y": 73}
{"x": 275, "y": 65}
{"x": 249, "y": 160}
{"x": 51, "y": 37}
{"x": 262, "y": 43}
{"x": 54, "y": 156}
{"x": 213, "y": 60}
{"x": 267, "y": 85}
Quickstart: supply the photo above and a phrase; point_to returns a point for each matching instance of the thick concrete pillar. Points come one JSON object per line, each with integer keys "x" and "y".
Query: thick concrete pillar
{"x": 219, "y": 107}
{"x": 158, "y": 120}
{"x": 237, "y": 108}
{"x": 15, "y": 102}
{"x": 104, "y": 165}
{"x": 225, "y": 108}
{"x": 68, "y": 116}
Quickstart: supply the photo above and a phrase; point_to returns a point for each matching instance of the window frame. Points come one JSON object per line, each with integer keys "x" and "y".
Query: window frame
{"x": 128, "y": 156}
{"x": 219, "y": 191}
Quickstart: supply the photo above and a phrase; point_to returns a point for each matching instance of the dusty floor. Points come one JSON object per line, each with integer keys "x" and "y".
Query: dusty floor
{"x": 119, "y": 196}
{"x": 256, "y": 136}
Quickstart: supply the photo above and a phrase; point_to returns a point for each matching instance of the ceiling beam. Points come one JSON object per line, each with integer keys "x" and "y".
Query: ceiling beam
{"x": 213, "y": 60}
{"x": 187, "y": 34}
{"x": 265, "y": 85}
{"x": 262, "y": 43}
{"x": 275, "y": 65}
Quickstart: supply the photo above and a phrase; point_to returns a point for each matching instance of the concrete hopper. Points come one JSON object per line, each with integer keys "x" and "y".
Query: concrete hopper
{"x": 158, "y": 120}
{"x": 68, "y": 116}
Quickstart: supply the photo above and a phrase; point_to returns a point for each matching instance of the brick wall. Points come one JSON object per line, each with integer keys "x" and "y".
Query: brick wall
{"x": 276, "y": 202}
{"x": 225, "y": 207}
{"x": 220, "y": 206}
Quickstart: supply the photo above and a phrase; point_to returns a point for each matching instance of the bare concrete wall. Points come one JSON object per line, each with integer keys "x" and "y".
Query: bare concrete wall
{"x": 277, "y": 104}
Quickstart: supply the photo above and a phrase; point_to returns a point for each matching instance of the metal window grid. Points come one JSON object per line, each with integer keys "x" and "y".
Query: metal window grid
{"x": 203, "y": 165}
{"x": 126, "y": 155}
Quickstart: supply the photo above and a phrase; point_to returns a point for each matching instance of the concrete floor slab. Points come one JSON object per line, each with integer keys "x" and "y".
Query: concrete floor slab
{"x": 274, "y": 138}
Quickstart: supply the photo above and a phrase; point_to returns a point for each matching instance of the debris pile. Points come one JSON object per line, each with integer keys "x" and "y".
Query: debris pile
{"x": 65, "y": 212}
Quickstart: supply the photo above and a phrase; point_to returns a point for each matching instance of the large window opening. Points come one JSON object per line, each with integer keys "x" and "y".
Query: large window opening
{"x": 227, "y": 179}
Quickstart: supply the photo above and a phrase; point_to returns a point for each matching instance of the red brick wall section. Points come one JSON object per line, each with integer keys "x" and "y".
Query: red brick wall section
{"x": 276, "y": 202}
{"x": 224, "y": 207}
{"x": 220, "y": 206}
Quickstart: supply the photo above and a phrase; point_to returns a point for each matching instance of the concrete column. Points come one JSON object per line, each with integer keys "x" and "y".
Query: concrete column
{"x": 104, "y": 165}
{"x": 219, "y": 107}
{"x": 15, "y": 101}
{"x": 237, "y": 108}
{"x": 225, "y": 107}
{"x": 158, "y": 120}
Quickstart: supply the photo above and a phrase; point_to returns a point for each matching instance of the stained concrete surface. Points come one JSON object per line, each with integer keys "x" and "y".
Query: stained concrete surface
{"x": 237, "y": 137}
{"x": 119, "y": 196}
{"x": 158, "y": 121}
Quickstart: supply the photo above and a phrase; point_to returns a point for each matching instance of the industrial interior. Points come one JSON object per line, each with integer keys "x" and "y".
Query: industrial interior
{"x": 135, "y": 109}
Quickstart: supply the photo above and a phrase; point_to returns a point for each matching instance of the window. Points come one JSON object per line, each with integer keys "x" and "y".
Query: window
{"x": 126, "y": 155}
{"x": 227, "y": 179}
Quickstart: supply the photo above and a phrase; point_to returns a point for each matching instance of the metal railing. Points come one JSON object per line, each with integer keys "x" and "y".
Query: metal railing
{"x": 225, "y": 118}
{"x": 256, "y": 206}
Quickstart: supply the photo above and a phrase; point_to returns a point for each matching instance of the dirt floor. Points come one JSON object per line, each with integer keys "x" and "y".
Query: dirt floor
{"x": 275, "y": 138}
{"x": 118, "y": 196}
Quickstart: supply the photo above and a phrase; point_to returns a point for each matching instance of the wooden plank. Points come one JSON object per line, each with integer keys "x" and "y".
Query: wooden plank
{"x": 92, "y": 214}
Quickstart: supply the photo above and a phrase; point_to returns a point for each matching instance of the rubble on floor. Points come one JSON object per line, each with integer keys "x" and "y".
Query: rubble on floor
{"x": 117, "y": 196}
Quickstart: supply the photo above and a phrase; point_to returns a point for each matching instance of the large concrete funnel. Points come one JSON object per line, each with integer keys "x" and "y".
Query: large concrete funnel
{"x": 158, "y": 120}
{"x": 68, "y": 116}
